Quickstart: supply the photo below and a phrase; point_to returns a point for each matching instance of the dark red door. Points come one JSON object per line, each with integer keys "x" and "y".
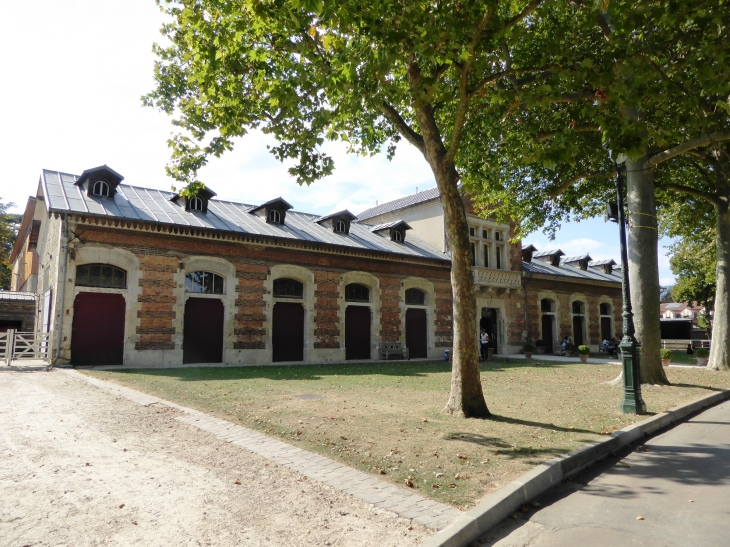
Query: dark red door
{"x": 416, "y": 333}
{"x": 287, "y": 333}
{"x": 357, "y": 332}
{"x": 606, "y": 328}
{"x": 97, "y": 333}
{"x": 547, "y": 332}
{"x": 203, "y": 331}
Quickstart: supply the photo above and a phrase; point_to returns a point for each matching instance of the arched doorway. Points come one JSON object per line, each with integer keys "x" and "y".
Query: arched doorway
{"x": 547, "y": 324}
{"x": 488, "y": 322}
{"x": 97, "y": 332}
{"x": 287, "y": 329}
{"x": 357, "y": 322}
{"x": 578, "y": 324}
{"x": 606, "y": 330}
{"x": 416, "y": 324}
{"x": 203, "y": 319}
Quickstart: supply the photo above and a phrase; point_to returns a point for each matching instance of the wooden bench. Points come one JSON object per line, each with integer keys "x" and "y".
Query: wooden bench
{"x": 393, "y": 350}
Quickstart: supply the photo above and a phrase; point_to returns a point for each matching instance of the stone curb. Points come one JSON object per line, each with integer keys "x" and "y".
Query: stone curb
{"x": 493, "y": 510}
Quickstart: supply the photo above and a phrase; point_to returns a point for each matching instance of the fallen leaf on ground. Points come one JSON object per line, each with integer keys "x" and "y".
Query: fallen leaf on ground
{"x": 524, "y": 509}
{"x": 435, "y": 486}
{"x": 408, "y": 483}
{"x": 122, "y": 505}
{"x": 457, "y": 476}
{"x": 452, "y": 485}
{"x": 237, "y": 482}
{"x": 639, "y": 518}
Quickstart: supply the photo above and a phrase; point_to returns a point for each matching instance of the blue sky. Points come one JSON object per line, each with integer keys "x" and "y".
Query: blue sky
{"x": 73, "y": 72}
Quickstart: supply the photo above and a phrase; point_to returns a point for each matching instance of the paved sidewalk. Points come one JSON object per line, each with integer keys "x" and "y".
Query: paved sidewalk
{"x": 672, "y": 492}
{"x": 365, "y": 487}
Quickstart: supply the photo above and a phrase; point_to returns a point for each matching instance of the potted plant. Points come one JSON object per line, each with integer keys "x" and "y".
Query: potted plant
{"x": 666, "y": 357}
{"x": 540, "y": 347}
{"x": 584, "y": 352}
{"x": 702, "y": 356}
{"x": 528, "y": 348}
{"x": 569, "y": 349}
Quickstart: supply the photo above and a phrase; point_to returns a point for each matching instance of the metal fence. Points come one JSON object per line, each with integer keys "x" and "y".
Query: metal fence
{"x": 682, "y": 344}
{"x": 24, "y": 345}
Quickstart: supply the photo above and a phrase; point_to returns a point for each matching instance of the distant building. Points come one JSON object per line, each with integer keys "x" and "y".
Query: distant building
{"x": 681, "y": 310}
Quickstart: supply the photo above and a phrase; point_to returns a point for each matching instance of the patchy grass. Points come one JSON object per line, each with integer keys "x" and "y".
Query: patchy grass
{"x": 385, "y": 418}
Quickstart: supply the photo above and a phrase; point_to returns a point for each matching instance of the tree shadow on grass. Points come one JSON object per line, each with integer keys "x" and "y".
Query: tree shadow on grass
{"x": 504, "y": 448}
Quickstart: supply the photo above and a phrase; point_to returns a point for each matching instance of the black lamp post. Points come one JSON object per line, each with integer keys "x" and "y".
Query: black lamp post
{"x": 629, "y": 347}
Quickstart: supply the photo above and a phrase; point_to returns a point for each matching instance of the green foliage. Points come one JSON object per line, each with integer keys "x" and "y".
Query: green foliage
{"x": 693, "y": 260}
{"x": 584, "y": 350}
{"x": 666, "y": 353}
{"x": 9, "y": 224}
{"x": 528, "y": 347}
{"x": 702, "y": 353}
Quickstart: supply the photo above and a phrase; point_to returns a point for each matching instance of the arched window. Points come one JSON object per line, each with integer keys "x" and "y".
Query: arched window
{"x": 605, "y": 309}
{"x": 340, "y": 227}
{"x": 101, "y": 189}
{"x": 578, "y": 308}
{"x": 288, "y": 288}
{"x": 415, "y": 297}
{"x": 275, "y": 216}
{"x": 397, "y": 236}
{"x": 546, "y": 305}
{"x": 203, "y": 282}
{"x": 196, "y": 204}
{"x": 357, "y": 293}
{"x": 101, "y": 275}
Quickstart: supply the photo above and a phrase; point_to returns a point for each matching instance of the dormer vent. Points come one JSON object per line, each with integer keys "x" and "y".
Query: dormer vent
{"x": 527, "y": 253}
{"x": 396, "y": 230}
{"x": 197, "y": 203}
{"x": 272, "y": 212}
{"x": 100, "y": 182}
{"x": 338, "y": 222}
{"x": 577, "y": 261}
{"x": 552, "y": 257}
{"x": 606, "y": 265}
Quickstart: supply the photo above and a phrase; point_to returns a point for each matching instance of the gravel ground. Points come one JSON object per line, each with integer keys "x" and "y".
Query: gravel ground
{"x": 81, "y": 467}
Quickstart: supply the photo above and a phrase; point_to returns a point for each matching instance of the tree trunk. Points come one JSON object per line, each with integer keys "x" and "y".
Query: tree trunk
{"x": 644, "y": 267}
{"x": 467, "y": 398}
{"x": 720, "y": 347}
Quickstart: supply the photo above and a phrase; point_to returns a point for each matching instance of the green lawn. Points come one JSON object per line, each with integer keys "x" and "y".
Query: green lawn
{"x": 385, "y": 418}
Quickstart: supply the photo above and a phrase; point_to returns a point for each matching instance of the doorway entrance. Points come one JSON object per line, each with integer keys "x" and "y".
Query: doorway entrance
{"x": 488, "y": 322}
{"x": 97, "y": 331}
{"x": 606, "y": 328}
{"x": 287, "y": 332}
{"x": 416, "y": 339}
{"x": 578, "y": 331}
{"x": 547, "y": 333}
{"x": 203, "y": 331}
{"x": 357, "y": 332}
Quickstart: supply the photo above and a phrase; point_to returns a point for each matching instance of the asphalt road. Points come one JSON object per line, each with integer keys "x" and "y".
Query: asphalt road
{"x": 673, "y": 491}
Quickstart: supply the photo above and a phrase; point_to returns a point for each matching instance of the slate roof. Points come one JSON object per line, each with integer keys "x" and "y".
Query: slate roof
{"x": 571, "y": 259}
{"x": 540, "y": 254}
{"x": 545, "y": 268}
{"x": 605, "y": 262}
{"x": 408, "y": 201}
{"x": 149, "y": 205}
{"x": 381, "y": 227}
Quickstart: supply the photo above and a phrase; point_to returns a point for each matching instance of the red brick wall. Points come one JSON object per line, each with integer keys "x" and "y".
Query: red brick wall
{"x": 251, "y": 312}
{"x": 156, "y": 315}
{"x": 326, "y": 328}
{"x": 444, "y": 315}
{"x": 390, "y": 308}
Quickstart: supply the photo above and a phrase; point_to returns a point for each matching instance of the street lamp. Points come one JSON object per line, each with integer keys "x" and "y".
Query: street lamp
{"x": 629, "y": 347}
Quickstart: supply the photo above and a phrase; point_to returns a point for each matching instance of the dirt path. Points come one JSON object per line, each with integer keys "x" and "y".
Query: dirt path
{"x": 81, "y": 467}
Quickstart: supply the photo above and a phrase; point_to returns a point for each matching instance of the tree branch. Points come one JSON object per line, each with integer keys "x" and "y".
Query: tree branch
{"x": 529, "y": 8}
{"x": 682, "y": 189}
{"x": 571, "y": 181}
{"x": 686, "y": 147}
{"x": 402, "y": 127}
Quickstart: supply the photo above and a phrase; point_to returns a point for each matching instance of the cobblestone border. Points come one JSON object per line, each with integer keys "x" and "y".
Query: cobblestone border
{"x": 490, "y": 512}
{"x": 429, "y": 513}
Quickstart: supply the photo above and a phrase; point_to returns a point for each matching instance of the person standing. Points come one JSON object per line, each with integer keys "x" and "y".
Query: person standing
{"x": 484, "y": 344}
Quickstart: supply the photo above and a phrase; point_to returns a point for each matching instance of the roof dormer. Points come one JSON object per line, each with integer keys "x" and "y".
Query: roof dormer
{"x": 100, "y": 182}
{"x": 198, "y": 202}
{"x": 396, "y": 230}
{"x": 552, "y": 257}
{"x": 338, "y": 222}
{"x": 273, "y": 212}
{"x": 577, "y": 261}
{"x": 527, "y": 253}
{"x": 607, "y": 265}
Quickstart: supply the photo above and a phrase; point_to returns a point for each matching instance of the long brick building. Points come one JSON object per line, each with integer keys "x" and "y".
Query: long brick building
{"x": 138, "y": 276}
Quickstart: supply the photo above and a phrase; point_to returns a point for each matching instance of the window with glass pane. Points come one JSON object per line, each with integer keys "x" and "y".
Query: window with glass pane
{"x": 288, "y": 288}
{"x": 546, "y": 305}
{"x": 471, "y": 231}
{"x": 498, "y": 256}
{"x": 577, "y": 307}
{"x": 101, "y": 275}
{"x": 357, "y": 293}
{"x": 498, "y": 236}
{"x": 473, "y": 255}
{"x": 605, "y": 309}
{"x": 203, "y": 283}
{"x": 415, "y": 297}
{"x": 485, "y": 234}
{"x": 486, "y": 255}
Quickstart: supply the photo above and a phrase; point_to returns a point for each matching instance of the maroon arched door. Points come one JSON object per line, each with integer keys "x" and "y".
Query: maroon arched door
{"x": 357, "y": 332}
{"x": 416, "y": 340}
{"x": 287, "y": 332}
{"x": 97, "y": 332}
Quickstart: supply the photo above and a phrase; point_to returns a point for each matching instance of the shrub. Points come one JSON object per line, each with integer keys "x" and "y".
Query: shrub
{"x": 584, "y": 350}
{"x": 666, "y": 354}
{"x": 528, "y": 347}
{"x": 702, "y": 353}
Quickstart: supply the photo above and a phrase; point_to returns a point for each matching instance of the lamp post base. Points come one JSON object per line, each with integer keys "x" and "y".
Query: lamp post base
{"x": 633, "y": 403}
